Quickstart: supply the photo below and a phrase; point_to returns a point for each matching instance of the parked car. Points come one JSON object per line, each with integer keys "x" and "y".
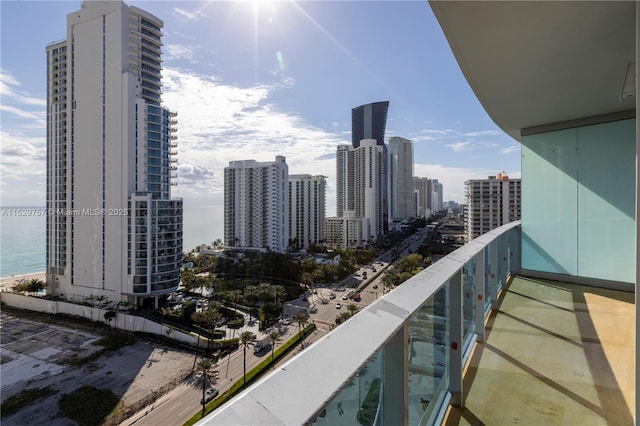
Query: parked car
{"x": 332, "y": 295}
{"x": 345, "y": 297}
{"x": 338, "y": 306}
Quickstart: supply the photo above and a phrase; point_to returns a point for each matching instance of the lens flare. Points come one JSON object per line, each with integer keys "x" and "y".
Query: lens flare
{"x": 281, "y": 63}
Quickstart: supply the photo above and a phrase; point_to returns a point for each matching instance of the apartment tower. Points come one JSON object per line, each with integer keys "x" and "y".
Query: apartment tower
{"x": 360, "y": 191}
{"x": 400, "y": 179}
{"x": 306, "y": 209}
{"x": 369, "y": 121}
{"x": 113, "y": 229}
{"x": 491, "y": 203}
{"x": 256, "y": 205}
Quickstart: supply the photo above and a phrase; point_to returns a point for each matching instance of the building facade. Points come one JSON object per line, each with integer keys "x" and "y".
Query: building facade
{"x": 256, "y": 205}
{"x": 113, "y": 229}
{"x": 369, "y": 121}
{"x": 491, "y": 203}
{"x": 428, "y": 196}
{"x": 344, "y": 231}
{"x": 307, "y": 196}
{"x": 400, "y": 179}
{"x": 360, "y": 189}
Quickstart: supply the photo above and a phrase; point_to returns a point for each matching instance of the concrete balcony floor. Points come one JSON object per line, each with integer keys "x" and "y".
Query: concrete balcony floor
{"x": 555, "y": 354}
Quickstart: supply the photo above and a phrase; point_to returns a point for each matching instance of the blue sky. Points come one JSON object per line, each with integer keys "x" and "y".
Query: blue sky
{"x": 256, "y": 79}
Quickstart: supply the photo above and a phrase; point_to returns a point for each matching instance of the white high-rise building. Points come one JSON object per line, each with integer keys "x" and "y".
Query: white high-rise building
{"x": 306, "y": 209}
{"x": 360, "y": 188}
{"x": 429, "y": 196}
{"x": 400, "y": 175}
{"x": 437, "y": 203}
{"x": 491, "y": 203}
{"x": 113, "y": 229}
{"x": 256, "y": 205}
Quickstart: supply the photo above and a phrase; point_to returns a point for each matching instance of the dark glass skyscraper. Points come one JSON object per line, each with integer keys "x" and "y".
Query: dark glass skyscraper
{"x": 369, "y": 122}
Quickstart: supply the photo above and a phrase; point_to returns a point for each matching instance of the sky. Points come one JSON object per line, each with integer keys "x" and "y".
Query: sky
{"x": 256, "y": 79}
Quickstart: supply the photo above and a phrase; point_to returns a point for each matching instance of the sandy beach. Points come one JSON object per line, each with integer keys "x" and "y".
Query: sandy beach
{"x": 7, "y": 283}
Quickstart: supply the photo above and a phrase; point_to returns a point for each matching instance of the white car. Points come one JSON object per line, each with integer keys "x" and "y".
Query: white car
{"x": 209, "y": 395}
{"x": 338, "y": 306}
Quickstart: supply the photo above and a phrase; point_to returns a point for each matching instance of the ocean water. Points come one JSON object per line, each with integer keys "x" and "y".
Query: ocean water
{"x": 22, "y": 235}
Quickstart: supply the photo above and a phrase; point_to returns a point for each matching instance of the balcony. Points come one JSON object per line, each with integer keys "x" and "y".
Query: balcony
{"x": 545, "y": 352}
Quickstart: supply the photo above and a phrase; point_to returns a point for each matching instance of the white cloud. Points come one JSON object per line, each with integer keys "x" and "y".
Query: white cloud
{"x": 178, "y": 51}
{"x": 7, "y": 92}
{"x": 218, "y": 123}
{"x": 39, "y": 116}
{"x": 511, "y": 149}
{"x": 483, "y": 133}
{"x": 189, "y": 16}
{"x": 460, "y": 146}
{"x": 452, "y": 178}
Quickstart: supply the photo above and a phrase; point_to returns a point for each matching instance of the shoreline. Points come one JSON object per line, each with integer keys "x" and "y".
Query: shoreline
{"x": 6, "y": 283}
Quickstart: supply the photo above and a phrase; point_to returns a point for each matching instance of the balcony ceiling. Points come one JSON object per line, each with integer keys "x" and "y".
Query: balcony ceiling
{"x": 538, "y": 63}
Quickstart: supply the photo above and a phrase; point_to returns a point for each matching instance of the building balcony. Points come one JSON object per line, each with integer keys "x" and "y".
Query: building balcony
{"x": 466, "y": 341}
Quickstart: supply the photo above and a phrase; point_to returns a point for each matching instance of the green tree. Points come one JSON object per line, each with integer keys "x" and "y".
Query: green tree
{"x": 199, "y": 318}
{"x": 208, "y": 375}
{"x": 246, "y": 339}
{"x": 212, "y": 317}
{"x": 35, "y": 285}
{"x": 300, "y": 318}
{"x": 352, "y": 309}
{"x": 274, "y": 337}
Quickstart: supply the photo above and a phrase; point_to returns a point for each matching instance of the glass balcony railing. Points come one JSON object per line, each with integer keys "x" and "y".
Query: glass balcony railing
{"x": 401, "y": 359}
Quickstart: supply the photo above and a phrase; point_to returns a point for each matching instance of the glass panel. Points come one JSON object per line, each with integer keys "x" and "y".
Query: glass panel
{"x": 359, "y": 400}
{"x": 468, "y": 299}
{"x": 606, "y": 201}
{"x": 428, "y": 356}
{"x": 549, "y": 201}
{"x": 487, "y": 273}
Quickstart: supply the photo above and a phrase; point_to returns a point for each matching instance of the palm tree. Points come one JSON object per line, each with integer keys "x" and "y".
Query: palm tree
{"x": 198, "y": 317}
{"x": 352, "y": 309}
{"x": 263, "y": 290}
{"x": 212, "y": 317}
{"x": 302, "y": 319}
{"x": 246, "y": 339}
{"x": 208, "y": 375}
{"x": 35, "y": 285}
{"x": 274, "y": 337}
{"x": 235, "y": 296}
{"x": 163, "y": 312}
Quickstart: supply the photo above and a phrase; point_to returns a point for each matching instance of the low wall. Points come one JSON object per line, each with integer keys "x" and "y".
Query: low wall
{"x": 122, "y": 320}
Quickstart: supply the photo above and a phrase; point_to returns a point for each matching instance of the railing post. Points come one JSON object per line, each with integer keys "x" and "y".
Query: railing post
{"x": 395, "y": 404}
{"x": 515, "y": 249}
{"x": 456, "y": 336}
{"x": 492, "y": 274}
{"x": 503, "y": 253}
{"x": 480, "y": 278}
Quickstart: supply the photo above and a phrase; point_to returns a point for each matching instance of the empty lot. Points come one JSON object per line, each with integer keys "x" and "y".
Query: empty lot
{"x": 36, "y": 354}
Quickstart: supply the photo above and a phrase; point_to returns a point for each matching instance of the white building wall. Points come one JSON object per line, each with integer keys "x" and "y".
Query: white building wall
{"x": 307, "y": 196}
{"x": 102, "y": 90}
{"x": 257, "y": 205}
{"x": 491, "y": 203}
